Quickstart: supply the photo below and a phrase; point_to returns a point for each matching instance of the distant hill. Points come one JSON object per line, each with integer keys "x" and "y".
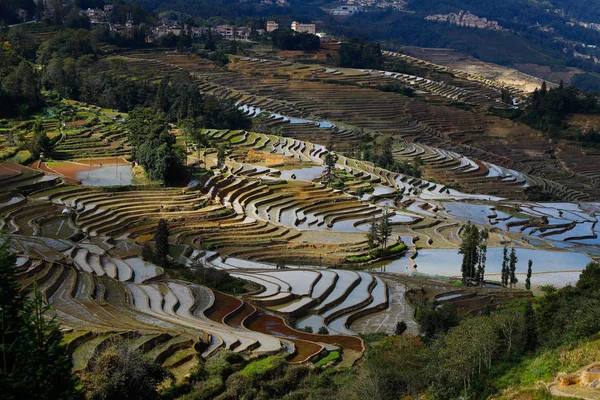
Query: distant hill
{"x": 548, "y": 39}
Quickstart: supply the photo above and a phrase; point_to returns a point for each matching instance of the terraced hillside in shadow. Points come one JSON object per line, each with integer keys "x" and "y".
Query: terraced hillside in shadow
{"x": 325, "y": 105}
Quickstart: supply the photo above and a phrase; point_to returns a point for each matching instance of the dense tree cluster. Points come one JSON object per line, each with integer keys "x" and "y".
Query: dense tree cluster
{"x": 122, "y": 372}
{"x": 19, "y": 84}
{"x": 287, "y": 39}
{"x": 570, "y": 314}
{"x": 474, "y": 250}
{"x": 70, "y": 67}
{"x": 153, "y": 146}
{"x": 547, "y": 110}
{"x": 9, "y": 10}
{"x": 40, "y": 142}
{"x": 357, "y": 53}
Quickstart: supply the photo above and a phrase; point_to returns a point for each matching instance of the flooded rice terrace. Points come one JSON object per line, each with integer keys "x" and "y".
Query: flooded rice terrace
{"x": 106, "y": 175}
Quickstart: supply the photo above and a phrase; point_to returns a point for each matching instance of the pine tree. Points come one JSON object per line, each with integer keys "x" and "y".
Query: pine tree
{"x": 34, "y": 362}
{"x": 470, "y": 249}
{"x": 160, "y": 101}
{"x": 161, "y": 242}
{"x": 513, "y": 267}
{"x": 221, "y": 152}
{"x": 385, "y": 228}
{"x": 530, "y": 333}
{"x": 504, "y": 274}
{"x": 210, "y": 42}
{"x": 529, "y": 272}
{"x": 40, "y": 142}
{"x": 482, "y": 261}
{"x": 330, "y": 161}
{"x": 373, "y": 233}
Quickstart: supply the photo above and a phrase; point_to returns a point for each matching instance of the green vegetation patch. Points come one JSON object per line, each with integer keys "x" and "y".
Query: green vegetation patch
{"x": 224, "y": 212}
{"x": 333, "y": 357}
{"x": 262, "y": 367}
{"x": 399, "y": 248}
{"x": 22, "y": 157}
{"x": 548, "y": 364}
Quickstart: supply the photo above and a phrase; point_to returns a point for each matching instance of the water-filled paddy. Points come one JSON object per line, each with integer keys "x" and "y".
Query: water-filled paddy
{"x": 447, "y": 262}
{"x": 107, "y": 175}
{"x": 303, "y": 174}
{"x": 476, "y": 213}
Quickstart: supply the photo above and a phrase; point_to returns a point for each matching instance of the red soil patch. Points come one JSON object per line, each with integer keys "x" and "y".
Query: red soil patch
{"x": 70, "y": 169}
{"x": 236, "y": 320}
{"x": 304, "y": 350}
{"x": 67, "y": 169}
{"x": 274, "y": 325}
{"x": 223, "y": 305}
{"x": 104, "y": 161}
{"x": 75, "y": 124}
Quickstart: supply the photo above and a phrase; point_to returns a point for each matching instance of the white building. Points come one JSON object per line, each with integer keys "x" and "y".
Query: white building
{"x": 272, "y": 26}
{"x": 306, "y": 28}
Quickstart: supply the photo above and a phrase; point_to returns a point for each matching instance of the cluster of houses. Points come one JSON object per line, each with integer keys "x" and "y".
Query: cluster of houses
{"x": 352, "y": 7}
{"x": 296, "y": 26}
{"x": 466, "y": 19}
{"x": 587, "y": 25}
{"x": 166, "y": 27}
{"x": 102, "y": 16}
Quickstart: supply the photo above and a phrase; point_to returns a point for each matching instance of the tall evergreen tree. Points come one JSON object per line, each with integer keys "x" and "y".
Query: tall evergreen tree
{"x": 385, "y": 228}
{"x": 470, "y": 248}
{"x": 482, "y": 261}
{"x": 330, "y": 161}
{"x": 221, "y": 153}
{"x": 40, "y": 142}
{"x": 373, "y": 233}
{"x": 529, "y": 272}
{"x": 504, "y": 275}
{"x": 33, "y": 362}
{"x": 161, "y": 242}
{"x": 530, "y": 332}
{"x": 513, "y": 267}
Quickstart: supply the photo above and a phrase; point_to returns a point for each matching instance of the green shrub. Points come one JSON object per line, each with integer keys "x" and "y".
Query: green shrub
{"x": 208, "y": 389}
{"x": 332, "y": 357}
{"x": 221, "y": 213}
{"x": 398, "y": 248}
{"x": 358, "y": 259}
{"x": 261, "y": 368}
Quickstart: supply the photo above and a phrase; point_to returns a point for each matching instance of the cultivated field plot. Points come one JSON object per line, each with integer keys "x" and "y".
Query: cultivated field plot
{"x": 275, "y": 215}
{"x": 323, "y": 105}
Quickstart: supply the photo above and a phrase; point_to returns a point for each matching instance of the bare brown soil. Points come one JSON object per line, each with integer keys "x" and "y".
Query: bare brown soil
{"x": 274, "y": 325}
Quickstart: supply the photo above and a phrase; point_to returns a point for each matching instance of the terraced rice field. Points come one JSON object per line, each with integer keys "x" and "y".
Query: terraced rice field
{"x": 266, "y": 216}
{"x": 322, "y": 105}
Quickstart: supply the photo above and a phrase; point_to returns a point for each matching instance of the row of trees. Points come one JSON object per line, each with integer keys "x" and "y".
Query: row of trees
{"x": 474, "y": 250}
{"x": 509, "y": 267}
